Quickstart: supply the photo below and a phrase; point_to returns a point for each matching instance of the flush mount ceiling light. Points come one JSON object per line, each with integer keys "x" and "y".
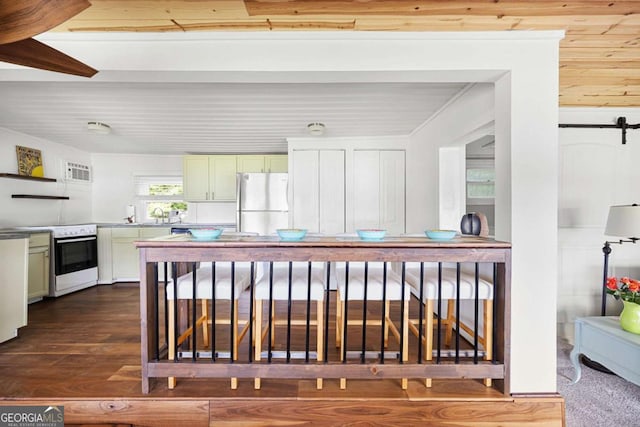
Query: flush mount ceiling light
{"x": 315, "y": 129}
{"x": 98, "y": 127}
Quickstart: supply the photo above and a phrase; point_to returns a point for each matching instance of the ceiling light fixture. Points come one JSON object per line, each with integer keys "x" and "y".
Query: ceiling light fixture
{"x": 315, "y": 129}
{"x": 98, "y": 127}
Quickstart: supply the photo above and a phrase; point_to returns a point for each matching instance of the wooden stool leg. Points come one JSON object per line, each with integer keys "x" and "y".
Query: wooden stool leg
{"x": 171, "y": 381}
{"x": 405, "y": 339}
{"x": 386, "y": 324}
{"x": 320, "y": 337}
{"x": 234, "y": 321}
{"x": 273, "y": 323}
{"x": 488, "y": 334}
{"x": 205, "y": 322}
{"x": 428, "y": 334}
{"x": 257, "y": 338}
{"x": 338, "y": 319}
{"x": 343, "y": 331}
{"x": 449, "y": 322}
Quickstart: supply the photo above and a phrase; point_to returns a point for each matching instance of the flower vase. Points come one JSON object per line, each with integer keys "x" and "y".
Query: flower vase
{"x": 630, "y": 317}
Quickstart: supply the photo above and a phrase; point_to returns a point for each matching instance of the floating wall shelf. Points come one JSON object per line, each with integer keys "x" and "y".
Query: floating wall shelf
{"x": 30, "y": 178}
{"x": 35, "y": 196}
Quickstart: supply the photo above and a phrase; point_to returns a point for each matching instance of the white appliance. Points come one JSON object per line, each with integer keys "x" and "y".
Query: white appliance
{"x": 75, "y": 258}
{"x": 262, "y": 202}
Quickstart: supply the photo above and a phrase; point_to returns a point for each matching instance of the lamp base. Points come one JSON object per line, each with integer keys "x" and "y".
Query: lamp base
{"x": 594, "y": 365}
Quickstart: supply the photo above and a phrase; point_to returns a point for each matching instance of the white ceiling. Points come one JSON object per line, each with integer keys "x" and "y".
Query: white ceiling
{"x": 180, "y": 117}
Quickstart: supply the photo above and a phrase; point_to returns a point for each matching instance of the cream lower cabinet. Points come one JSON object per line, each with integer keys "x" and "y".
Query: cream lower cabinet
{"x": 14, "y": 268}
{"x": 124, "y": 255}
{"x": 105, "y": 262}
{"x": 379, "y": 190}
{"x": 125, "y": 261}
{"x": 209, "y": 178}
{"x": 39, "y": 266}
{"x": 318, "y": 189}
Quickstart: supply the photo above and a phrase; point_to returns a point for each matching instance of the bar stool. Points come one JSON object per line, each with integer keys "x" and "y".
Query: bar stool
{"x": 448, "y": 291}
{"x": 205, "y": 288}
{"x": 289, "y": 281}
{"x": 365, "y": 281}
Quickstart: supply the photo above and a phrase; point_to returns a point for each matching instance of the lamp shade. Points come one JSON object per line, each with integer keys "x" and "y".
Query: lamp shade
{"x": 624, "y": 221}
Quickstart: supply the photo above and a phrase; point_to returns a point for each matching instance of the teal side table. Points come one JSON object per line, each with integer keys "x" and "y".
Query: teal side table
{"x": 602, "y": 340}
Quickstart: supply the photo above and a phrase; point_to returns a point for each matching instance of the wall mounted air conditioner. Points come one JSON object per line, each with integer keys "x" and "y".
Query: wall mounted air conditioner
{"x": 77, "y": 172}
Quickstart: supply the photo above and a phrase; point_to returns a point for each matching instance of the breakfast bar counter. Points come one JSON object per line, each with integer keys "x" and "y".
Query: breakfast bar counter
{"x": 456, "y": 267}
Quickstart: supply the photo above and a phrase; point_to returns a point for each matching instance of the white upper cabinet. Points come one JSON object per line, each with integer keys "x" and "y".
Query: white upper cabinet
{"x": 350, "y": 183}
{"x": 379, "y": 190}
{"x": 250, "y": 163}
{"x": 212, "y": 178}
{"x": 196, "y": 178}
{"x": 276, "y": 163}
{"x": 318, "y": 189}
{"x": 267, "y": 163}
{"x": 209, "y": 178}
{"x": 222, "y": 177}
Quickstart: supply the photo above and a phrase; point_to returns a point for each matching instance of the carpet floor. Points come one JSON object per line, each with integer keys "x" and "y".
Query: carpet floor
{"x": 598, "y": 399}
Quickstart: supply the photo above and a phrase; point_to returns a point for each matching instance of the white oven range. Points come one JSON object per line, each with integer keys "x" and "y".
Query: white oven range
{"x": 75, "y": 258}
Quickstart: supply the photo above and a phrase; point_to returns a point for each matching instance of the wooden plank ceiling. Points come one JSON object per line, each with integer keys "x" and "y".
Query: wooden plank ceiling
{"x": 599, "y": 58}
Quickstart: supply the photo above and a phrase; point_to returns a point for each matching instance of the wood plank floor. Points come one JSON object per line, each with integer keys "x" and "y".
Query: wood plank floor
{"x": 83, "y": 351}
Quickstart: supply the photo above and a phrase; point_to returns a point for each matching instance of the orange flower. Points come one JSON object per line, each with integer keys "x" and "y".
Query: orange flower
{"x": 612, "y": 283}
{"x": 634, "y": 286}
{"x": 625, "y": 280}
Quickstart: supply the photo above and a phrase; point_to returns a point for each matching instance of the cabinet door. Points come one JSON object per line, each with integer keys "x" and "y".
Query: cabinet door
{"x": 222, "y": 177}
{"x": 366, "y": 189}
{"x": 105, "y": 263}
{"x": 305, "y": 187}
{"x": 331, "y": 191}
{"x": 196, "y": 178}
{"x": 14, "y": 285}
{"x": 251, "y": 163}
{"x": 38, "y": 272}
{"x": 392, "y": 191}
{"x": 124, "y": 254}
{"x": 379, "y": 190}
{"x": 276, "y": 163}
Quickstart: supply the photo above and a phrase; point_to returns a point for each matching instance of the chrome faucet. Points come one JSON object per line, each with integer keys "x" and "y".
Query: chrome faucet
{"x": 154, "y": 213}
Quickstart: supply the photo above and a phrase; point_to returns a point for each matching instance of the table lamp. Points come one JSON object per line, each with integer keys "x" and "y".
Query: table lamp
{"x": 623, "y": 221}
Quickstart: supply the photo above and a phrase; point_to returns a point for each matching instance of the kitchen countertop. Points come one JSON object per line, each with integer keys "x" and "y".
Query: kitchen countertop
{"x": 11, "y": 235}
{"x": 172, "y": 225}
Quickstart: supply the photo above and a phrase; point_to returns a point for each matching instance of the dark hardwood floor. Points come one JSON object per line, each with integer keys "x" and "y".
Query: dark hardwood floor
{"x": 83, "y": 351}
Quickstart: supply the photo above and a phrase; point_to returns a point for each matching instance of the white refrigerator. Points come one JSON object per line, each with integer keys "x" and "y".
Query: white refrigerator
{"x": 262, "y": 202}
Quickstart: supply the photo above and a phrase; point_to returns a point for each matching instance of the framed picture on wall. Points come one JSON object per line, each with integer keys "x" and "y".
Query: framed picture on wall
{"x": 29, "y": 161}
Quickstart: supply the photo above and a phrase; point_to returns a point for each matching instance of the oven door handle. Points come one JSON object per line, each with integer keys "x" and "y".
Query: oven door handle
{"x": 82, "y": 239}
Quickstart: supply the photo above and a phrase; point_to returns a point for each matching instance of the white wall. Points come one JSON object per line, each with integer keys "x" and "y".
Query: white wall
{"x": 32, "y": 212}
{"x": 113, "y": 186}
{"x": 523, "y": 65}
{"x": 596, "y": 171}
{"x": 461, "y": 121}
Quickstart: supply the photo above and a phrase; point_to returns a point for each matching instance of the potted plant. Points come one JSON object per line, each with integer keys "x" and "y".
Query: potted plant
{"x": 627, "y": 290}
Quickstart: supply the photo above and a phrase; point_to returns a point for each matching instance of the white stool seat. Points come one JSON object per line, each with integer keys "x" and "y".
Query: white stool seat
{"x": 375, "y": 276}
{"x": 299, "y": 282}
{"x": 448, "y": 288}
{"x": 203, "y": 282}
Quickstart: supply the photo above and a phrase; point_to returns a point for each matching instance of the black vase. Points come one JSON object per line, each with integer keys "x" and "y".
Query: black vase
{"x": 470, "y": 224}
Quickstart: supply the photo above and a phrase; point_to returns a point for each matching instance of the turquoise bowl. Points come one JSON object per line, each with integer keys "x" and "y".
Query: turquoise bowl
{"x": 205, "y": 233}
{"x": 371, "y": 233}
{"x": 291, "y": 233}
{"x": 441, "y": 234}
